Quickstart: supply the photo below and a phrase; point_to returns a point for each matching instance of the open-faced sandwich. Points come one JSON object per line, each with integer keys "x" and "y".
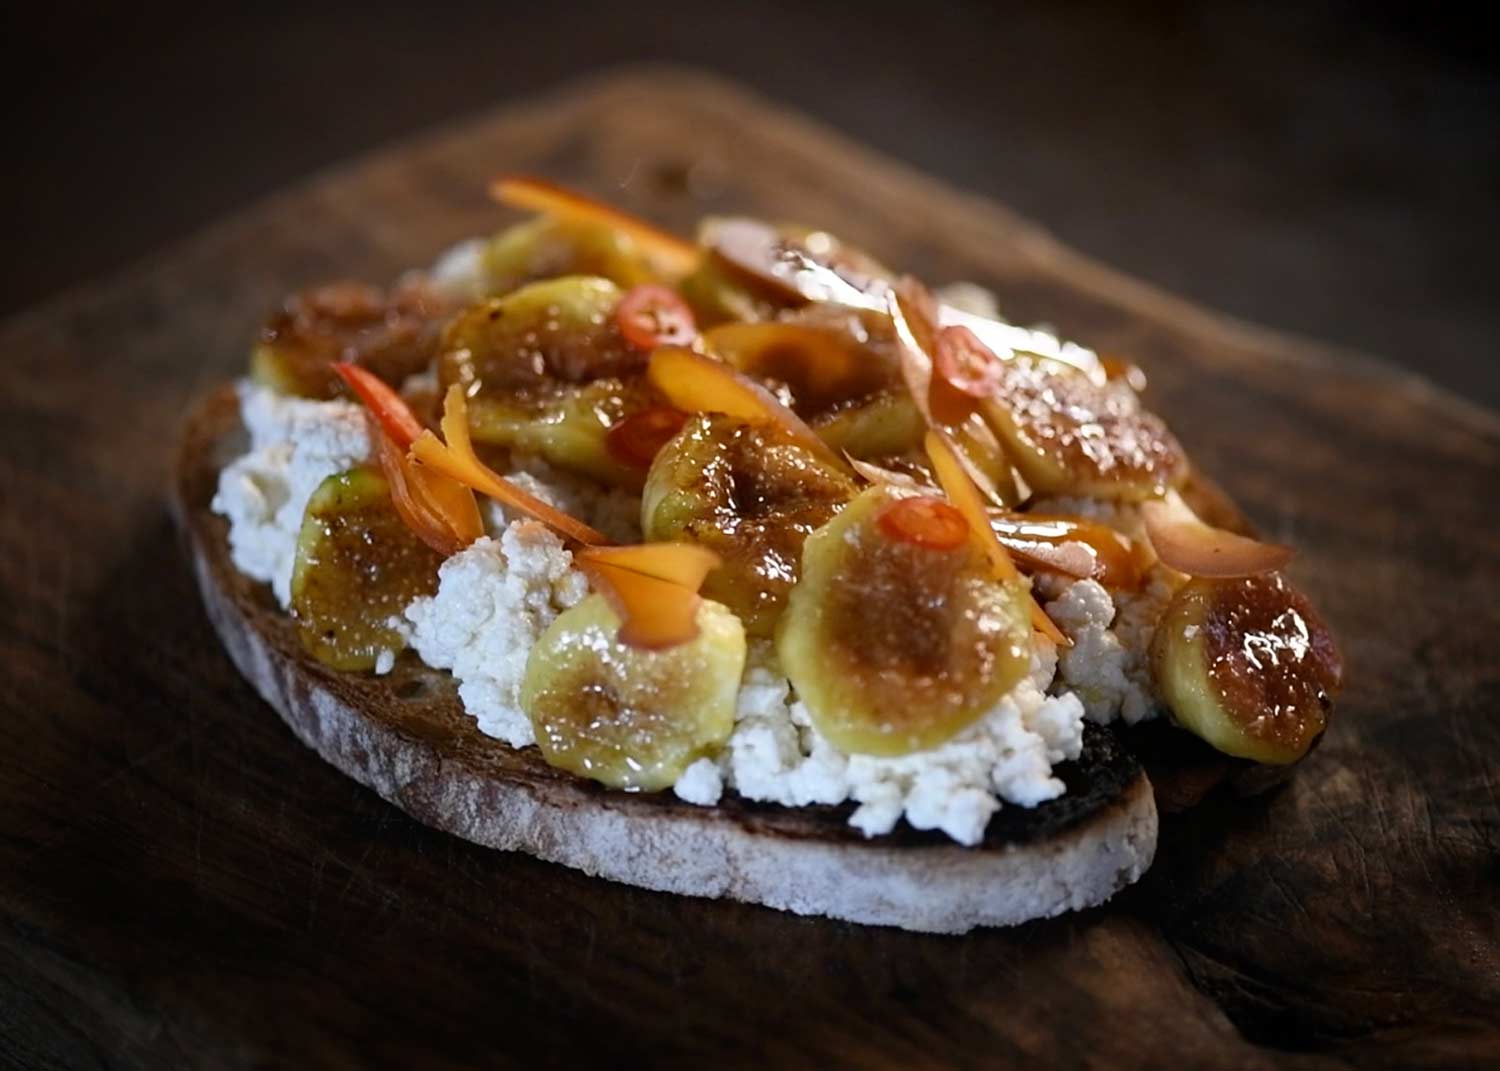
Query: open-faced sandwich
{"x": 743, "y": 568}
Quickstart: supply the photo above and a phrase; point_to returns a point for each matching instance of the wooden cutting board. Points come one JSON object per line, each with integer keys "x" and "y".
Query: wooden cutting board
{"x": 181, "y": 882}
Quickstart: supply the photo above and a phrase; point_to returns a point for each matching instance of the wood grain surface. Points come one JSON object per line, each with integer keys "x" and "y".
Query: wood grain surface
{"x": 181, "y": 883}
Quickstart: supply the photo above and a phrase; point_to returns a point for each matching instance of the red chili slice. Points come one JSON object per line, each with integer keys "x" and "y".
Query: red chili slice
{"x": 651, "y": 315}
{"x": 965, "y": 363}
{"x": 637, "y": 439}
{"x": 924, "y": 521}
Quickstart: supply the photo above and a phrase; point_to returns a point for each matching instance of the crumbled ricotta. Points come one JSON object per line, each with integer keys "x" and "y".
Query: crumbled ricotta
{"x": 1007, "y": 755}
{"x": 295, "y": 444}
{"x": 494, "y": 599}
{"x": 1138, "y": 614}
{"x": 775, "y": 755}
{"x": 1109, "y": 667}
{"x": 1109, "y": 664}
{"x": 1094, "y": 667}
{"x": 700, "y": 783}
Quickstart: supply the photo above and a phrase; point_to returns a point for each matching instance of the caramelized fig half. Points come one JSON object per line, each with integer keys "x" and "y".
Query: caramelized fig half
{"x": 393, "y": 335}
{"x": 896, "y": 644}
{"x": 1068, "y": 434}
{"x": 548, "y": 247}
{"x": 1247, "y": 665}
{"x": 357, "y": 566}
{"x": 547, "y": 371}
{"x": 751, "y": 495}
{"x": 626, "y": 717}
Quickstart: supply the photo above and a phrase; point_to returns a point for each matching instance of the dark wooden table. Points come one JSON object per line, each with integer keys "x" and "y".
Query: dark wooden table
{"x": 182, "y": 884}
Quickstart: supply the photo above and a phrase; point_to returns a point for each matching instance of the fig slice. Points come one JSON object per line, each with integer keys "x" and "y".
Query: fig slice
{"x": 1186, "y": 544}
{"x": 674, "y": 255}
{"x": 559, "y": 331}
{"x": 548, "y": 371}
{"x": 749, "y": 494}
{"x": 885, "y": 424}
{"x": 393, "y": 334}
{"x": 1247, "y": 665}
{"x": 573, "y": 428}
{"x": 1069, "y": 435}
{"x": 794, "y": 266}
{"x": 546, "y": 247}
{"x": 357, "y": 565}
{"x": 629, "y": 718}
{"x": 894, "y": 646}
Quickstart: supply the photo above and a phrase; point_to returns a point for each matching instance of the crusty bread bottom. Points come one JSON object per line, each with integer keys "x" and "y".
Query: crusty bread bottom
{"x": 405, "y": 737}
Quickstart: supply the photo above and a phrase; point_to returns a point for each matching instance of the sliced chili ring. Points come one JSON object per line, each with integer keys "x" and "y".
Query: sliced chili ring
{"x": 637, "y": 439}
{"x": 652, "y": 315}
{"x": 924, "y": 521}
{"x": 965, "y": 363}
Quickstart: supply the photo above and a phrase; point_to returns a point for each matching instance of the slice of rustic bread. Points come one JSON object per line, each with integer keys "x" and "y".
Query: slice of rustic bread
{"x": 405, "y": 735}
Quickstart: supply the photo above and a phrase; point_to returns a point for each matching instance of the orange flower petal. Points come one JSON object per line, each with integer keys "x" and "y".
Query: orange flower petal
{"x": 654, "y": 613}
{"x": 675, "y": 255}
{"x": 457, "y": 459}
{"x": 679, "y": 563}
{"x": 698, "y": 384}
{"x": 1186, "y": 544}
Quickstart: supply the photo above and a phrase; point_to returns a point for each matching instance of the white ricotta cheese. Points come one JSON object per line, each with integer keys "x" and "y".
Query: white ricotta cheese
{"x": 1094, "y": 667}
{"x": 769, "y": 756}
{"x": 775, "y": 755}
{"x": 295, "y": 444}
{"x": 700, "y": 783}
{"x": 494, "y": 599}
{"x": 1109, "y": 664}
{"x": 1138, "y": 613}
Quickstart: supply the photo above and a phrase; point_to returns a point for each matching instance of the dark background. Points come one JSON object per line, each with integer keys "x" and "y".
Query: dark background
{"x": 1328, "y": 169}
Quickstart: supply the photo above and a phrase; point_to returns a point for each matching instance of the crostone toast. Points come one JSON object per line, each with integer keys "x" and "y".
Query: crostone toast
{"x": 405, "y": 736}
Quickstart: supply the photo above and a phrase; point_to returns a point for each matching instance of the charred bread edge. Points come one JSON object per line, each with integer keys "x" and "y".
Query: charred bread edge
{"x": 405, "y": 737}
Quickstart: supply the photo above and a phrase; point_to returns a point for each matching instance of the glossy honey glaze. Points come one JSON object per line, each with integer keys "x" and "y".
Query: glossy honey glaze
{"x": 1271, "y": 659}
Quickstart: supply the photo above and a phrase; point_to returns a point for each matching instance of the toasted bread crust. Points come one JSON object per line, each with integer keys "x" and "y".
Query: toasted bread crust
{"x": 406, "y": 737}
